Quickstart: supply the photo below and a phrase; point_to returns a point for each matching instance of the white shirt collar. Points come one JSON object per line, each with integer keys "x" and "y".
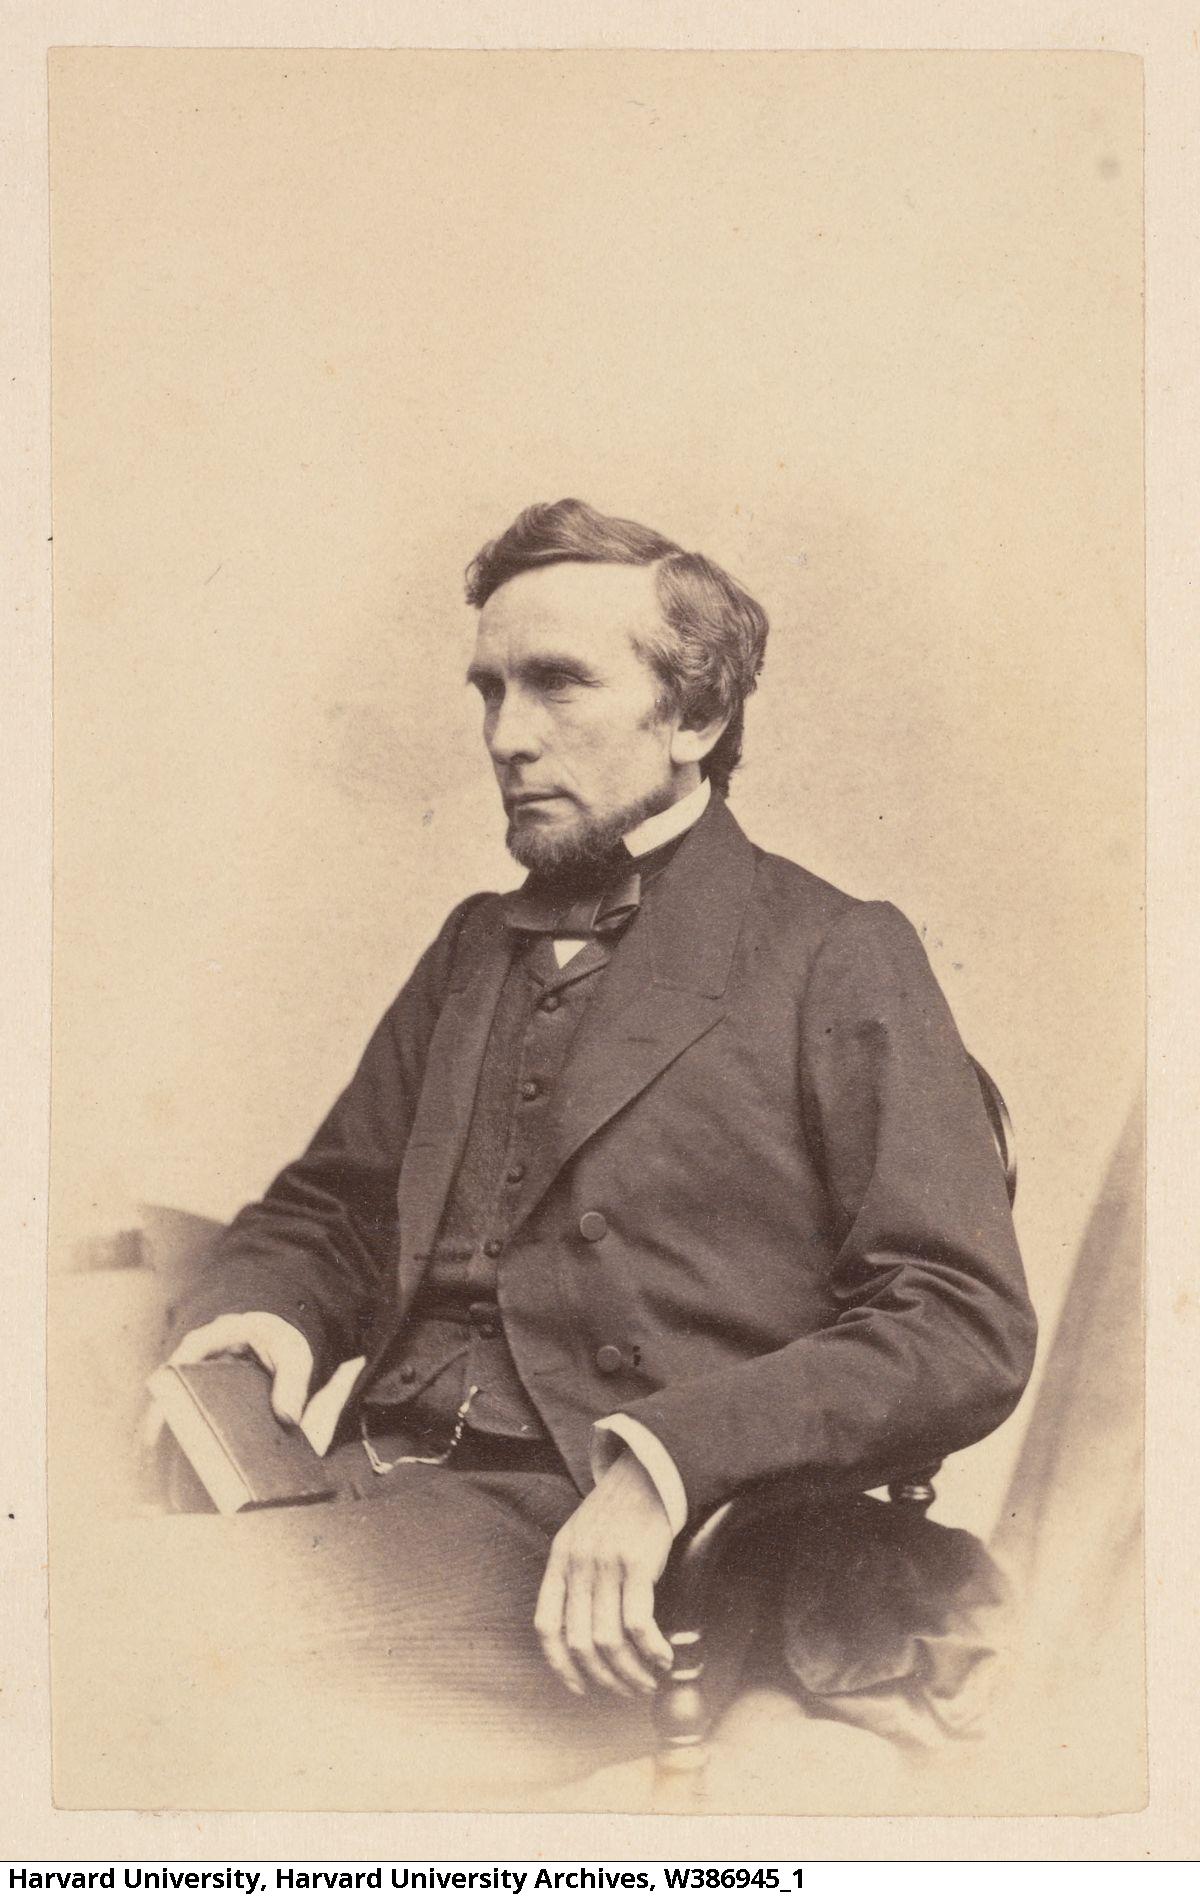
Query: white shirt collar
{"x": 670, "y": 822}
{"x": 662, "y": 828}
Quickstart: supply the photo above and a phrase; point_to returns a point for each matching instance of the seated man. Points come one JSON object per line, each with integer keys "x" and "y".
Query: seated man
{"x": 666, "y": 1174}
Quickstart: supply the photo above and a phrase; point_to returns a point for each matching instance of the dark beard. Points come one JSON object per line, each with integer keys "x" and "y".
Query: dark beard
{"x": 589, "y": 855}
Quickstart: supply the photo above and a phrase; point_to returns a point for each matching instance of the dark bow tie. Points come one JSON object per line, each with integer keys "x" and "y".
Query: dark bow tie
{"x": 536, "y": 912}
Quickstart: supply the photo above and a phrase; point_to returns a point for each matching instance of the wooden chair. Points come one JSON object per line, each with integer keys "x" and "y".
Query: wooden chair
{"x": 683, "y": 1716}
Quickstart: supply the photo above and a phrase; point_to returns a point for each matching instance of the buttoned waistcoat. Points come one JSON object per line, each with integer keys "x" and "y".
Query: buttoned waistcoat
{"x": 767, "y": 1219}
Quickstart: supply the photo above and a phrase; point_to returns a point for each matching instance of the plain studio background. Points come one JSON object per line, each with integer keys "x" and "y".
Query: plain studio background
{"x": 865, "y": 328}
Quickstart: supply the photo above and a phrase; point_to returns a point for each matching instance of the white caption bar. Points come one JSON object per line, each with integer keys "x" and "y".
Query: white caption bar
{"x": 563, "y": 1877}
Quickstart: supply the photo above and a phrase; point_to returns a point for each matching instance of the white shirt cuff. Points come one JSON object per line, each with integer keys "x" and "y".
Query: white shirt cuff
{"x": 612, "y": 1433}
{"x": 323, "y": 1412}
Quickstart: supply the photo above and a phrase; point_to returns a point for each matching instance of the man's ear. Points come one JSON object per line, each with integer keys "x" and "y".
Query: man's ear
{"x": 692, "y": 741}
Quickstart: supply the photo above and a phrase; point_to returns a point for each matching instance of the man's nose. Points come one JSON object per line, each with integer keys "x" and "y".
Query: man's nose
{"x": 511, "y": 730}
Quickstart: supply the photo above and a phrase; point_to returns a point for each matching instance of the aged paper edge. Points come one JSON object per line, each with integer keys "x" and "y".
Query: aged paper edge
{"x": 1165, "y": 38}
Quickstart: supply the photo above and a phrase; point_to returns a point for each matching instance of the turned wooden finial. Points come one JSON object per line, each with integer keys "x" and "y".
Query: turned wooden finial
{"x": 915, "y": 1491}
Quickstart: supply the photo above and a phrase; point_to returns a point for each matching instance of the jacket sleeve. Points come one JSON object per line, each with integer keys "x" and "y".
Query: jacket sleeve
{"x": 933, "y": 1337}
{"x": 319, "y": 1247}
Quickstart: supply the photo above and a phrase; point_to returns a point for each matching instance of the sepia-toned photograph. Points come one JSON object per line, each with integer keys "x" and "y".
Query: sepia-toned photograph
{"x": 597, "y": 1153}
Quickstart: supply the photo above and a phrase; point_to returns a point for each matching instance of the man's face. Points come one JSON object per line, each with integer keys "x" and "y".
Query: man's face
{"x": 572, "y": 718}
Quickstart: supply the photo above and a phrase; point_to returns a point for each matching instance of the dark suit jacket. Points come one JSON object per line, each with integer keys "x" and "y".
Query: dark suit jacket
{"x": 807, "y": 1263}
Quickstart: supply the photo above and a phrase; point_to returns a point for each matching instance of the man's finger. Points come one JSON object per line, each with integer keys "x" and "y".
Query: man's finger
{"x": 224, "y": 1336}
{"x": 608, "y": 1631}
{"x": 580, "y": 1631}
{"x": 293, "y": 1373}
{"x": 637, "y": 1611}
{"x": 548, "y": 1623}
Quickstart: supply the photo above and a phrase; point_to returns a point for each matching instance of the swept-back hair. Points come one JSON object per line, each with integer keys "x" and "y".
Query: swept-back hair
{"x": 708, "y": 651}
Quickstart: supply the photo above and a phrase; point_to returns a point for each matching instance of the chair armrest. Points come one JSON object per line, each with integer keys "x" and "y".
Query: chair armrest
{"x": 685, "y": 1596}
{"x": 697, "y": 1554}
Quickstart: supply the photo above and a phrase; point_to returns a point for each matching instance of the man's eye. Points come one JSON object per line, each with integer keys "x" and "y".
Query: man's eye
{"x": 557, "y": 682}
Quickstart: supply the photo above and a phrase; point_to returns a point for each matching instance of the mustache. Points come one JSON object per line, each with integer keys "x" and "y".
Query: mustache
{"x": 513, "y": 799}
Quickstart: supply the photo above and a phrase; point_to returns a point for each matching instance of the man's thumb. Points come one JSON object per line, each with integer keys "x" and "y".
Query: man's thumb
{"x": 289, "y": 1390}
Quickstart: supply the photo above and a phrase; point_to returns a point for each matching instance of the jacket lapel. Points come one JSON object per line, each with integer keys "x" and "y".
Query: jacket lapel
{"x": 664, "y": 987}
{"x": 452, "y": 1066}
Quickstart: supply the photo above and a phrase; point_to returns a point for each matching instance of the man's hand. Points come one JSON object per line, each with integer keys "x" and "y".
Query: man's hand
{"x": 595, "y": 1612}
{"x": 280, "y": 1347}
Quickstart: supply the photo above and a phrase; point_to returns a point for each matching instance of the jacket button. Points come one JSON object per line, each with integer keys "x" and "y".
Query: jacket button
{"x": 407, "y": 1373}
{"x": 550, "y": 1004}
{"x": 515, "y": 1174}
{"x": 493, "y": 1247}
{"x": 530, "y": 1089}
{"x": 593, "y": 1226}
{"x": 608, "y": 1359}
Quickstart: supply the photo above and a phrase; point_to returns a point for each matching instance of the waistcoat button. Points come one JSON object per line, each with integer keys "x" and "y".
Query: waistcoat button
{"x": 483, "y": 1317}
{"x": 493, "y": 1247}
{"x": 515, "y": 1174}
{"x": 407, "y": 1373}
{"x": 550, "y": 1003}
{"x": 593, "y": 1226}
{"x": 530, "y": 1089}
{"x": 608, "y": 1359}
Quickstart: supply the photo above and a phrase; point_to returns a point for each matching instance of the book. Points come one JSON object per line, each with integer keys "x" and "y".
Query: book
{"x": 220, "y": 1414}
